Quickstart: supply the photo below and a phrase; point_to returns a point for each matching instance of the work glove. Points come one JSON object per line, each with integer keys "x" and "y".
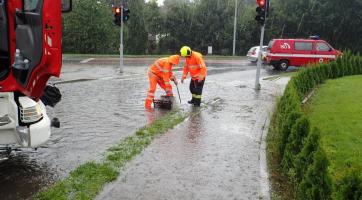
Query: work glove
{"x": 182, "y": 80}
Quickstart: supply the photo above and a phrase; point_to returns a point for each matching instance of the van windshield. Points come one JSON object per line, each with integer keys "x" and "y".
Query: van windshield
{"x": 323, "y": 47}
{"x": 270, "y": 44}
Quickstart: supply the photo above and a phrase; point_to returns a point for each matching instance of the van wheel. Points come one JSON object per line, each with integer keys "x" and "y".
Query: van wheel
{"x": 283, "y": 65}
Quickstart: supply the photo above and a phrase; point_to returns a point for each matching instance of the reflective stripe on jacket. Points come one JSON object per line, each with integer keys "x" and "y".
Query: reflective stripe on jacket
{"x": 163, "y": 70}
{"x": 196, "y": 66}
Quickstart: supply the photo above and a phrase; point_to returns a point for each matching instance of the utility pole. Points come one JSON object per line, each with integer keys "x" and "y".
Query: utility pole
{"x": 121, "y": 40}
{"x": 236, "y": 9}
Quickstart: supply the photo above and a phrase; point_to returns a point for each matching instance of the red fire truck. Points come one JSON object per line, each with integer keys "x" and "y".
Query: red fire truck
{"x": 30, "y": 53}
{"x": 283, "y": 53}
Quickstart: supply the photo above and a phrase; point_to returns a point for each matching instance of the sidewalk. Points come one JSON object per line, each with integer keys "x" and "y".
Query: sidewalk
{"x": 217, "y": 153}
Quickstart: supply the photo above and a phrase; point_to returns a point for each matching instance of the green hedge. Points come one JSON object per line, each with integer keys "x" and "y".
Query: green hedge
{"x": 302, "y": 159}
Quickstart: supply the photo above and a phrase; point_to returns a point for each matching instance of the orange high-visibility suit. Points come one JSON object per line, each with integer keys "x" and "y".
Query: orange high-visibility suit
{"x": 161, "y": 73}
{"x": 196, "y": 66}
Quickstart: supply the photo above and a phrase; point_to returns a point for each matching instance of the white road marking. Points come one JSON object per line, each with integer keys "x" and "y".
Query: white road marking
{"x": 86, "y": 60}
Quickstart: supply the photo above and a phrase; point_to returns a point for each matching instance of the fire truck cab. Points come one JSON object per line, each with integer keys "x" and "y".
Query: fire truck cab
{"x": 30, "y": 53}
{"x": 283, "y": 53}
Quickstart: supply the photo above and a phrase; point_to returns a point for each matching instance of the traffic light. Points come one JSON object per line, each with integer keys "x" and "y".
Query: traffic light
{"x": 261, "y": 11}
{"x": 117, "y": 16}
{"x": 125, "y": 14}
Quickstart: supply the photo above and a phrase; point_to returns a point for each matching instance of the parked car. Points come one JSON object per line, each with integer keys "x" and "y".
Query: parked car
{"x": 254, "y": 51}
{"x": 283, "y": 53}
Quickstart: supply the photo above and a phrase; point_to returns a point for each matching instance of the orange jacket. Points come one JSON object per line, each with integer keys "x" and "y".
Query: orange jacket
{"x": 162, "y": 69}
{"x": 196, "y": 66}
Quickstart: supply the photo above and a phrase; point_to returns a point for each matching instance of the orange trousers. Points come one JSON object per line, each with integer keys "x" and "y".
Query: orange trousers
{"x": 154, "y": 80}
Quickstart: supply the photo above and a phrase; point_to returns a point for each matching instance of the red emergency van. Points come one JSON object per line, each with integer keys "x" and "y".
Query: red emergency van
{"x": 283, "y": 53}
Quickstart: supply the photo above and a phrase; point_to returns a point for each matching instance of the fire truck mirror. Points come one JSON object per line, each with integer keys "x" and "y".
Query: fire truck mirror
{"x": 66, "y": 6}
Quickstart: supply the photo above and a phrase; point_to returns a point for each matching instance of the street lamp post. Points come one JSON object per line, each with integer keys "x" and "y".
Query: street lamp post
{"x": 234, "y": 41}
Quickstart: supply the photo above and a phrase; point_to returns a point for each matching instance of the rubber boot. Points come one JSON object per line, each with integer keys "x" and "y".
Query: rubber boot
{"x": 197, "y": 102}
{"x": 148, "y": 104}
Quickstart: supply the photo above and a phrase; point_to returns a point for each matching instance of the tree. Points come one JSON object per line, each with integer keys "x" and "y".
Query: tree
{"x": 89, "y": 29}
{"x": 153, "y": 22}
{"x": 177, "y": 25}
{"x": 294, "y": 18}
{"x": 201, "y": 23}
{"x": 136, "y": 35}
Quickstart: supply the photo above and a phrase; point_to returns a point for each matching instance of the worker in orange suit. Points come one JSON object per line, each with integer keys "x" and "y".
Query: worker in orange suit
{"x": 160, "y": 73}
{"x": 196, "y": 66}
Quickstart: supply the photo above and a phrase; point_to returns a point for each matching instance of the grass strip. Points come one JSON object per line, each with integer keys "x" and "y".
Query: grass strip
{"x": 88, "y": 179}
{"x": 336, "y": 110}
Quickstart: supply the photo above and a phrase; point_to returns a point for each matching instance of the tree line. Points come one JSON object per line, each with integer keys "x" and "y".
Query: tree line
{"x": 154, "y": 29}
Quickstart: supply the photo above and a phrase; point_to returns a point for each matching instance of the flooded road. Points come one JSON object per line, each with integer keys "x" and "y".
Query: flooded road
{"x": 217, "y": 153}
{"x": 100, "y": 106}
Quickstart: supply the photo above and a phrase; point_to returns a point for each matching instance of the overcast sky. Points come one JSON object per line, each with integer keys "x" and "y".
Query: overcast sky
{"x": 160, "y": 2}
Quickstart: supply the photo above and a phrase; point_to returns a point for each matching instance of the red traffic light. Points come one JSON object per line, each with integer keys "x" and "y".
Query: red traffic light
{"x": 261, "y": 3}
{"x": 118, "y": 10}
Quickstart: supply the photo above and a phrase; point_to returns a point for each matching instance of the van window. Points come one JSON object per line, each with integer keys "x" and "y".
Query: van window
{"x": 270, "y": 45}
{"x": 323, "y": 47}
{"x": 303, "y": 46}
{"x": 31, "y": 6}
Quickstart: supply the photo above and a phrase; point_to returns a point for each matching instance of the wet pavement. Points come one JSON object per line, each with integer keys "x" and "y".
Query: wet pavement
{"x": 100, "y": 106}
{"x": 217, "y": 153}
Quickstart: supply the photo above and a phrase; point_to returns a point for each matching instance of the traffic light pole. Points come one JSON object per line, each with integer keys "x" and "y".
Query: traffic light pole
{"x": 262, "y": 10}
{"x": 257, "y": 83}
{"x": 121, "y": 41}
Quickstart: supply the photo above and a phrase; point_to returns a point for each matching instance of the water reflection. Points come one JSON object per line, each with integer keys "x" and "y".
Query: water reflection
{"x": 195, "y": 126}
{"x": 21, "y": 175}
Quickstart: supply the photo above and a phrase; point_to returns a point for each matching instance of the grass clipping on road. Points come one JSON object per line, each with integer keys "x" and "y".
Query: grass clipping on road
{"x": 88, "y": 179}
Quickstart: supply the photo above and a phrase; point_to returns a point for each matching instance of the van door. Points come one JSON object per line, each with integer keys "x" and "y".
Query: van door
{"x": 324, "y": 52}
{"x": 4, "y": 42}
{"x": 303, "y": 53}
{"x": 38, "y": 45}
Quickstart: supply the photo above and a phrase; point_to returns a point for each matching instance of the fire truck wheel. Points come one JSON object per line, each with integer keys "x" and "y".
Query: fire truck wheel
{"x": 283, "y": 65}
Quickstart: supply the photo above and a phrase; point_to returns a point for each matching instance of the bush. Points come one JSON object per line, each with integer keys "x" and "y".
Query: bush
{"x": 299, "y": 152}
{"x": 316, "y": 183}
{"x": 299, "y": 131}
{"x": 304, "y": 158}
{"x": 350, "y": 187}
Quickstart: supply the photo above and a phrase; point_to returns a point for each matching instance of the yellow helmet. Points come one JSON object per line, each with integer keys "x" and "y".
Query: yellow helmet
{"x": 185, "y": 51}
